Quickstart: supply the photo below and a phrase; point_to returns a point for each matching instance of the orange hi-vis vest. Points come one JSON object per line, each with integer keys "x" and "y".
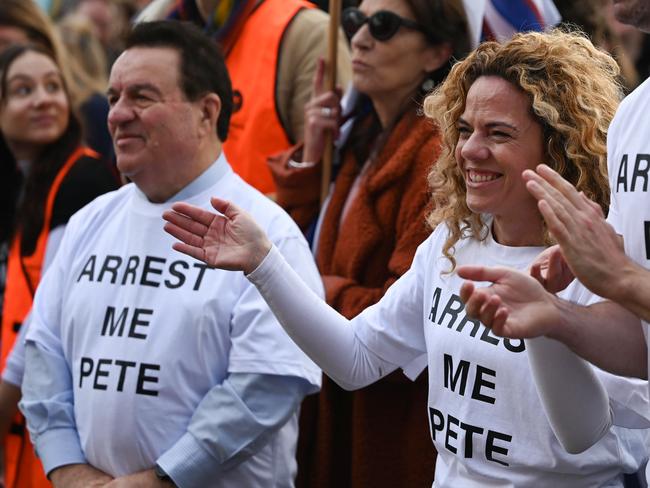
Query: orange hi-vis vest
{"x": 256, "y": 130}
{"x": 22, "y": 468}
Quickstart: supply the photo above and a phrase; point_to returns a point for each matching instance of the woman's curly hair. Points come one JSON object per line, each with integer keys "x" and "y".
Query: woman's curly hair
{"x": 574, "y": 94}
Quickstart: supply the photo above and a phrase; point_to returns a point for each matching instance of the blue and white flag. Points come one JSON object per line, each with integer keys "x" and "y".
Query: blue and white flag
{"x": 500, "y": 19}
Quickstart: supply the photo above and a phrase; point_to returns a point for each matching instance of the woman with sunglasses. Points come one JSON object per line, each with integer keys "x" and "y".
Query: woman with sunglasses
{"x": 369, "y": 230}
{"x": 502, "y": 110}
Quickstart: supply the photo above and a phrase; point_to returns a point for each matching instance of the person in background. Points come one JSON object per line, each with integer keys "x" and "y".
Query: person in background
{"x": 110, "y": 20}
{"x": 271, "y": 84}
{"x": 22, "y": 21}
{"x": 47, "y": 175}
{"x": 593, "y": 19}
{"x": 371, "y": 226}
{"x": 499, "y": 112}
{"x": 135, "y": 375}
{"x": 89, "y": 70}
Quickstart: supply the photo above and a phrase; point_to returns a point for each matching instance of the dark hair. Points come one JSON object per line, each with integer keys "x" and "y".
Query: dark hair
{"x": 27, "y": 16}
{"x": 203, "y": 69}
{"x": 27, "y": 218}
{"x": 443, "y": 21}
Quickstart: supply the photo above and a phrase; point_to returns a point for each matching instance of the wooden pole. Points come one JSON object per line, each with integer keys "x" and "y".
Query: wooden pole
{"x": 330, "y": 84}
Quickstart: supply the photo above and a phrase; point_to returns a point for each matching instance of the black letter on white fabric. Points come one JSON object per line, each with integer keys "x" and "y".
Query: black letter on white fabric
{"x": 621, "y": 179}
{"x": 89, "y": 269}
{"x": 462, "y": 372}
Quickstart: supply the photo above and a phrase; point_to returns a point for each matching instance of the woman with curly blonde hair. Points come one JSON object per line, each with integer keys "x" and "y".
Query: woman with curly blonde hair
{"x": 573, "y": 97}
{"x": 507, "y": 107}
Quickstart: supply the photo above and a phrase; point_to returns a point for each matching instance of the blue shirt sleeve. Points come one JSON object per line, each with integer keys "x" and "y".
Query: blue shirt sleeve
{"x": 252, "y": 407}
{"x": 47, "y": 404}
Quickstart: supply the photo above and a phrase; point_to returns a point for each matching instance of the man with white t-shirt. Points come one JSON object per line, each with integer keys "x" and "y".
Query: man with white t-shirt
{"x": 612, "y": 333}
{"x": 145, "y": 368}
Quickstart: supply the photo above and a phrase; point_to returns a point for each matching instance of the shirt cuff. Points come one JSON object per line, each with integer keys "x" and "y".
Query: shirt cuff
{"x": 12, "y": 375}
{"x": 188, "y": 464}
{"x": 59, "y": 447}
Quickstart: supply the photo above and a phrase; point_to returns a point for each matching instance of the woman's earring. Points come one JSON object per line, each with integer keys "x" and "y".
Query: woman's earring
{"x": 427, "y": 85}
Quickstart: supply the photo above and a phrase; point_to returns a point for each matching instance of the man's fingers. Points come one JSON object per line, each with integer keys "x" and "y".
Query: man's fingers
{"x": 557, "y": 220}
{"x": 560, "y": 184}
{"x": 193, "y": 212}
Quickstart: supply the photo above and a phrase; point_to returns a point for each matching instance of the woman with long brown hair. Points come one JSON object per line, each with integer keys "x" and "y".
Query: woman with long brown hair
{"x": 47, "y": 174}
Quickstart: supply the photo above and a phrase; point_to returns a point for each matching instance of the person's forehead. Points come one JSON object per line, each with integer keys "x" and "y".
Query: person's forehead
{"x": 33, "y": 64}
{"x": 154, "y": 65}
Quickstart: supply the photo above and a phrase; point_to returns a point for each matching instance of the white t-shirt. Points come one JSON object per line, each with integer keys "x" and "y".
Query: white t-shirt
{"x": 486, "y": 419}
{"x": 628, "y": 165}
{"x": 147, "y": 331}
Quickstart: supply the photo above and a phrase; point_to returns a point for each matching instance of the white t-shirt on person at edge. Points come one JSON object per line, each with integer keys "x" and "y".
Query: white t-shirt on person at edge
{"x": 487, "y": 422}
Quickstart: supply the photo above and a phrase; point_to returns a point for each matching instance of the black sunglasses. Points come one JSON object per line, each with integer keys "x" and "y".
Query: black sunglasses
{"x": 382, "y": 25}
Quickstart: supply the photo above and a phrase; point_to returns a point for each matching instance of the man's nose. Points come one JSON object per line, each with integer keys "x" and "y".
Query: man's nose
{"x": 119, "y": 113}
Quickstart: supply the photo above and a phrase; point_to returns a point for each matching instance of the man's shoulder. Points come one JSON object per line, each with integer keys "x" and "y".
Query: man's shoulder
{"x": 108, "y": 202}
{"x": 268, "y": 214}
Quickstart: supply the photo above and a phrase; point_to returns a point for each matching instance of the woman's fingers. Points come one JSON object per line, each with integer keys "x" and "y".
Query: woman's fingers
{"x": 195, "y": 252}
{"x": 185, "y": 223}
{"x": 318, "y": 81}
{"x": 183, "y": 235}
{"x": 193, "y": 212}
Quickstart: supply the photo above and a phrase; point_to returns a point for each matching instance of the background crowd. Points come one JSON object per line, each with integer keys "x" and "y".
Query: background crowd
{"x": 58, "y": 126}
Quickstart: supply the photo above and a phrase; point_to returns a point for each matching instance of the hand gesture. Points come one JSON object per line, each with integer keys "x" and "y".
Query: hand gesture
{"x": 322, "y": 114}
{"x": 516, "y": 305}
{"x": 230, "y": 240}
{"x": 551, "y": 270}
{"x": 590, "y": 247}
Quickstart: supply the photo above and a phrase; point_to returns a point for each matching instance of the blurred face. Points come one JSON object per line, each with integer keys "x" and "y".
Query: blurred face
{"x": 35, "y": 109}
{"x": 393, "y": 68}
{"x": 100, "y": 13}
{"x": 633, "y": 12}
{"x": 498, "y": 140}
{"x": 10, "y": 35}
{"x": 155, "y": 129}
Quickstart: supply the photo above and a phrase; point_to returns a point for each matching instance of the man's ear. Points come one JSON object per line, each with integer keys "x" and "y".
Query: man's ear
{"x": 210, "y": 110}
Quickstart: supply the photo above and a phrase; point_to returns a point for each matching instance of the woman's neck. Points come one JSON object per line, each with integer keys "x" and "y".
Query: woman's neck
{"x": 518, "y": 232}
{"x": 24, "y": 152}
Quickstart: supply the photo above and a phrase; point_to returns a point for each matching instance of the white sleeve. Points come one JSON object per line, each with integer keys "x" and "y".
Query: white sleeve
{"x": 575, "y": 401}
{"x": 319, "y": 330}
